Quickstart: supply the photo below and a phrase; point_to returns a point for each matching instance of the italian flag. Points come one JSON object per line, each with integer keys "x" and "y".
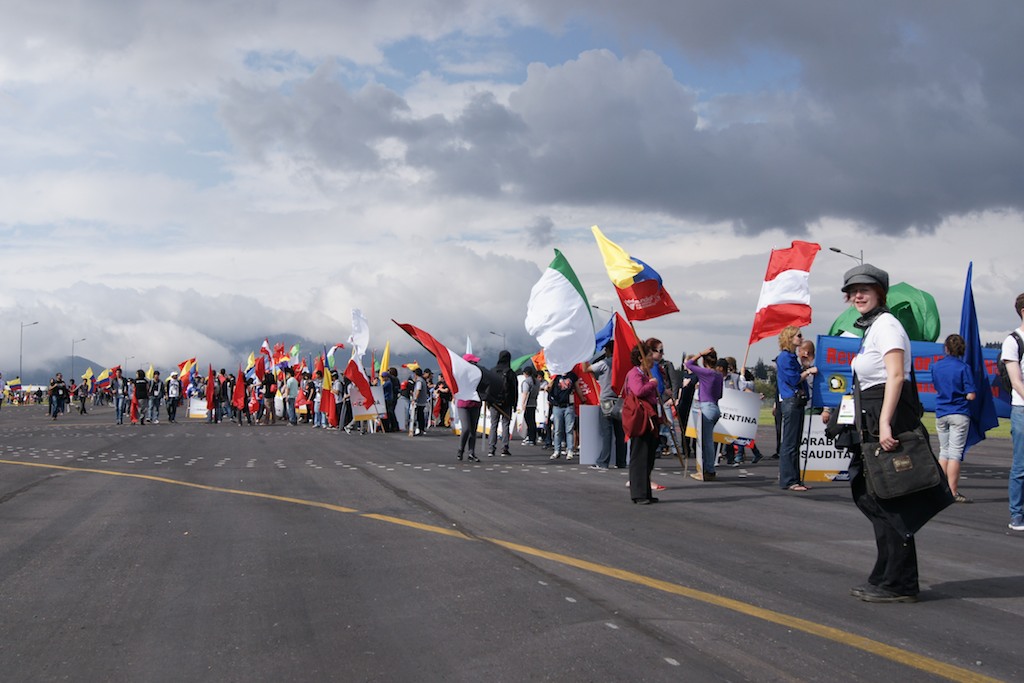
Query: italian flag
{"x": 558, "y": 316}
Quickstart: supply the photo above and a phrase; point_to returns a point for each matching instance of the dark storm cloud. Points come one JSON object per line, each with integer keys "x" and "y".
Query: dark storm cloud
{"x": 541, "y": 233}
{"x": 902, "y": 114}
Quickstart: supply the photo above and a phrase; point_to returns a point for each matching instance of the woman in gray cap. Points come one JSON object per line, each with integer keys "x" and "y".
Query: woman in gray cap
{"x": 888, "y": 406}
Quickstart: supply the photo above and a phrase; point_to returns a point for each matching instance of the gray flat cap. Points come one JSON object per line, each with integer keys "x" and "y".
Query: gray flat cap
{"x": 866, "y": 274}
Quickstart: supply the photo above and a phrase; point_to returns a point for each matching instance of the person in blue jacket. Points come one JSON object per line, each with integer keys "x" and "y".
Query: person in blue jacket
{"x": 954, "y": 388}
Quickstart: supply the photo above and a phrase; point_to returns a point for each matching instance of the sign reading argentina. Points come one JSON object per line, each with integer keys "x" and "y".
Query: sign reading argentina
{"x": 740, "y": 410}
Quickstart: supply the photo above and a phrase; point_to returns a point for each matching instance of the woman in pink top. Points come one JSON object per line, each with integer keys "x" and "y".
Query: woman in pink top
{"x": 644, "y": 448}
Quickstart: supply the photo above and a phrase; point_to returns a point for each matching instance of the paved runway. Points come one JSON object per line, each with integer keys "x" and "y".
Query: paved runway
{"x": 220, "y": 553}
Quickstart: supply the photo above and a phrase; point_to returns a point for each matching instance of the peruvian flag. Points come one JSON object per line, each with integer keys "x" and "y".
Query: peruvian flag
{"x": 785, "y": 295}
{"x": 462, "y": 376}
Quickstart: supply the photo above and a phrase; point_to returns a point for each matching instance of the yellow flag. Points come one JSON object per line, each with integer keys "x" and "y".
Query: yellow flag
{"x": 621, "y": 268}
{"x": 87, "y": 374}
{"x": 149, "y": 373}
{"x": 385, "y": 359}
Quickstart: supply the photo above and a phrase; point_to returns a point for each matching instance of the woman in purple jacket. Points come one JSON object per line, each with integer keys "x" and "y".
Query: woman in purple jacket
{"x": 709, "y": 393}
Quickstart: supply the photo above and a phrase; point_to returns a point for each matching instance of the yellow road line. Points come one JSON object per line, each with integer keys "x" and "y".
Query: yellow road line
{"x": 895, "y": 654}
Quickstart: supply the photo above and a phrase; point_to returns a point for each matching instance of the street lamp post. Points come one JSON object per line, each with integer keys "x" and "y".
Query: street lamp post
{"x": 73, "y": 342}
{"x": 600, "y": 308}
{"x": 124, "y": 368}
{"x": 21, "y": 348}
{"x": 858, "y": 259}
{"x": 502, "y": 335}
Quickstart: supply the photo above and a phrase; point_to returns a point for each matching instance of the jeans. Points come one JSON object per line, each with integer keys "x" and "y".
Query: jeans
{"x": 564, "y": 419}
{"x": 172, "y": 409}
{"x": 505, "y": 421}
{"x": 612, "y": 436}
{"x": 709, "y": 416}
{"x": 952, "y": 430}
{"x": 154, "y": 409}
{"x": 1016, "y": 488}
{"x": 792, "y": 411}
{"x": 468, "y": 418}
{"x": 289, "y": 405}
{"x": 120, "y": 403}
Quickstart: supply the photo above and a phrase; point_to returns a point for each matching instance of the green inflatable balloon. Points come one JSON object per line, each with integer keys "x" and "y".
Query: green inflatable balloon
{"x": 913, "y": 307}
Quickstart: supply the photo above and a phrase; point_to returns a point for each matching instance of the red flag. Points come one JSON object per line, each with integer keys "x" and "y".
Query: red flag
{"x": 210, "y": 384}
{"x": 238, "y": 397}
{"x": 622, "y": 362}
{"x": 301, "y": 400}
{"x": 439, "y": 350}
{"x": 358, "y": 378}
{"x": 260, "y": 369}
{"x": 133, "y": 411}
{"x": 786, "y": 294}
{"x": 589, "y": 390}
{"x": 328, "y": 405}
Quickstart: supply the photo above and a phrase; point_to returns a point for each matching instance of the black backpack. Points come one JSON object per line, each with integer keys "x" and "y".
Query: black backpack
{"x": 1004, "y": 376}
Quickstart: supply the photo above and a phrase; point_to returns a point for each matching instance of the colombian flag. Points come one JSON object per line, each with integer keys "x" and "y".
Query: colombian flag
{"x": 638, "y": 285}
{"x": 103, "y": 380}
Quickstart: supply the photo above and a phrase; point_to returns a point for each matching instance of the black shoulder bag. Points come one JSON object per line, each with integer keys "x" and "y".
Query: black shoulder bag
{"x": 908, "y": 468}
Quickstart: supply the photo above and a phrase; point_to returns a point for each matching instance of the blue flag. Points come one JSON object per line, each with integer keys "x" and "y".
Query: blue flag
{"x": 983, "y": 407}
{"x": 604, "y": 335}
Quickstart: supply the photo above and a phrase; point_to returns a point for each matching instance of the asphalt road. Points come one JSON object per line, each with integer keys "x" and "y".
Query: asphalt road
{"x": 195, "y": 552}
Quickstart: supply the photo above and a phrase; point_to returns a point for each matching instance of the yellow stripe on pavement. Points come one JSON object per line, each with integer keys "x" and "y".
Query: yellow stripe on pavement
{"x": 895, "y": 654}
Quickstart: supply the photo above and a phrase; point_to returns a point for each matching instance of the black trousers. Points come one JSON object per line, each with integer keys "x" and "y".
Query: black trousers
{"x": 896, "y": 565}
{"x": 530, "y": 418}
{"x": 643, "y": 450}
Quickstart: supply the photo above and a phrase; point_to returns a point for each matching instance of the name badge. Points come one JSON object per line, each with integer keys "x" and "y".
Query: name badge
{"x": 847, "y": 412}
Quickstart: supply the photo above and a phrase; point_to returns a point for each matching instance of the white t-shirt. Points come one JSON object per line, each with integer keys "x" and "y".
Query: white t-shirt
{"x": 1009, "y": 352}
{"x": 885, "y": 334}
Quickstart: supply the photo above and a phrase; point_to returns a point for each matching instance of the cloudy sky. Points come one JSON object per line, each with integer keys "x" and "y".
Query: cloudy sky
{"x": 178, "y": 177}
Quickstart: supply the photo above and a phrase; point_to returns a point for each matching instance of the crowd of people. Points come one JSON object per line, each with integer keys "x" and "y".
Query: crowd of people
{"x": 543, "y": 410}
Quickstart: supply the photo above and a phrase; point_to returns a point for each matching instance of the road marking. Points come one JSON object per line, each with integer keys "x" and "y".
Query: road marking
{"x": 895, "y": 654}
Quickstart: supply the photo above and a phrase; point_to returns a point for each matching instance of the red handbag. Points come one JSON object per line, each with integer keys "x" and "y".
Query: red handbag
{"x": 637, "y": 415}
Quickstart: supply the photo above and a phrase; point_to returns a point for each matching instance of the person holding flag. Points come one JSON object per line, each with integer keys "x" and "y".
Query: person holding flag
{"x": 643, "y": 448}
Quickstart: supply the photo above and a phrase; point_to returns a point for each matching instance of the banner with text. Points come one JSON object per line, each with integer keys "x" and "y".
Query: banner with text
{"x": 834, "y": 375}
